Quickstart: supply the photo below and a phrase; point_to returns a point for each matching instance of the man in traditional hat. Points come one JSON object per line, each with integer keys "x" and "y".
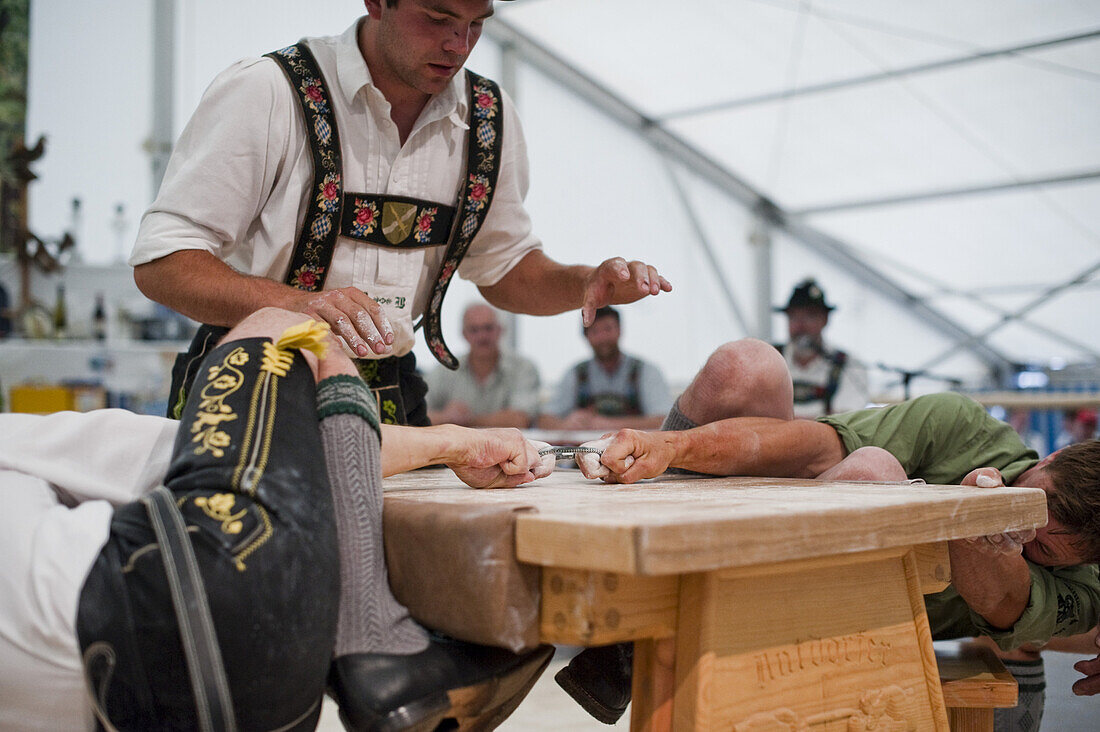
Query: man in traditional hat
{"x": 826, "y": 380}
{"x": 349, "y": 178}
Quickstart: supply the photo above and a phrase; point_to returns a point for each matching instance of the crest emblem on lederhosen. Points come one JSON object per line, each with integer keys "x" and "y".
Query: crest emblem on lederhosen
{"x": 397, "y": 220}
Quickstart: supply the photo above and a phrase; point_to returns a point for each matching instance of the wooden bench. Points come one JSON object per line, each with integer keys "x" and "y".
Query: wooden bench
{"x": 974, "y": 683}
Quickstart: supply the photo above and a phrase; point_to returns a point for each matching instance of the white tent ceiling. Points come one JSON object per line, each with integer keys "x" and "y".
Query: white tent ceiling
{"x": 935, "y": 164}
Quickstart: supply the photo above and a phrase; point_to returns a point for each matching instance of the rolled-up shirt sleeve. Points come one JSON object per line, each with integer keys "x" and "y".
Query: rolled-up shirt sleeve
{"x": 1064, "y": 601}
{"x": 223, "y": 167}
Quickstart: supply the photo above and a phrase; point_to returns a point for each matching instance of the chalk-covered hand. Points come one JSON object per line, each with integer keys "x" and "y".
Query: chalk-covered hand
{"x": 629, "y": 456}
{"x": 546, "y": 463}
{"x": 352, "y": 314}
{"x": 493, "y": 458}
{"x": 1010, "y": 542}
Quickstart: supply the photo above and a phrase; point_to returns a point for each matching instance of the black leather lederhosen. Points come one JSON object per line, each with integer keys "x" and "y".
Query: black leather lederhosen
{"x": 388, "y": 221}
{"x": 251, "y": 487}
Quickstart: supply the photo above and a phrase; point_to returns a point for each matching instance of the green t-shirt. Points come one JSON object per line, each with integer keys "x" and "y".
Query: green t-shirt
{"x": 1064, "y": 601}
{"x": 941, "y": 438}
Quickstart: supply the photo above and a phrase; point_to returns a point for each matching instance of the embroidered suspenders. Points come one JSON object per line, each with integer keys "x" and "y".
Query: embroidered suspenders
{"x": 389, "y": 221}
{"x": 482, "y": 167}
{"x": 317, "y": 239}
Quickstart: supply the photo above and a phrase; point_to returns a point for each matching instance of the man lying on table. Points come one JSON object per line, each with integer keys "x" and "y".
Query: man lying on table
{"x": 736, "y": 418}
{"x": 268, "y": 496}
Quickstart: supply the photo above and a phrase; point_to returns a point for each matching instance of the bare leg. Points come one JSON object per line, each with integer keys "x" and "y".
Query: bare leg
{"x": 866, "y": 463}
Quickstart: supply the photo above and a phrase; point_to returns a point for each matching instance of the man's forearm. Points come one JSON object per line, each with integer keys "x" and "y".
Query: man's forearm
{"x": 538, "y": 285}
{"x": 409, "y": 448}
{"x": 758, "y": 446}
{"x": 996, "y": 586}
{"x": 202, "y": 287}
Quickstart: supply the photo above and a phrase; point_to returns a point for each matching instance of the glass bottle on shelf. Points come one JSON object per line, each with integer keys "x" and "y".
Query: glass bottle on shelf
{"x": 60, "y": 314}
{"x": 99, "y": 319}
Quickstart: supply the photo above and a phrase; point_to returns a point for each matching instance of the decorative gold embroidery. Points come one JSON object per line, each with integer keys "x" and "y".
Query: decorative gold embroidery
{"x": 275, "y": 361}
{"x": 220, "y": 508}
{"x": 221, "y": 382}
{"x": 260, "y": 540}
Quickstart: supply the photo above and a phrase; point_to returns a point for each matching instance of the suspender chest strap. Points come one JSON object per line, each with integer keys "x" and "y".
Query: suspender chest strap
{"x": 317, "y": 239}
{"x": 390, "y": 221}
{"x": 482, "y": 168}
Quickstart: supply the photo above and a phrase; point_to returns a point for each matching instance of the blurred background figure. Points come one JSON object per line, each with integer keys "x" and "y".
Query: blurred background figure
{"x": 826, "y": 380}
{"x": 491, "y": 388}
{"x": 612, "y": 390}
{"x": 1020, "y": 419}
{"x": 1078, "y": 425}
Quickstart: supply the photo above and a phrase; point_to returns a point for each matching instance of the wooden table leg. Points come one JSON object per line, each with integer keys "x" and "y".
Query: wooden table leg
{"x": 808, "y": 643}
{"x": 654, "y": 683}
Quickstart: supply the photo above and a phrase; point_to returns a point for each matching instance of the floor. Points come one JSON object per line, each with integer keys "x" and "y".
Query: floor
{"x": 547, "y": 708}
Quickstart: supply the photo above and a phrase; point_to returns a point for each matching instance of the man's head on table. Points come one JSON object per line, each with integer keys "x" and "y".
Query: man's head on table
{"x": 1071, "y": 480}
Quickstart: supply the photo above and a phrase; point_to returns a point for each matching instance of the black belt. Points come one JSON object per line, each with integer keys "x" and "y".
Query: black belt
{"x": 398, "y": 387}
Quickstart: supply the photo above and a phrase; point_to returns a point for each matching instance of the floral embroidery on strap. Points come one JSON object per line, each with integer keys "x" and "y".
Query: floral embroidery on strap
{"x": 482, "y": 155}
{"x": 317, "y": 240}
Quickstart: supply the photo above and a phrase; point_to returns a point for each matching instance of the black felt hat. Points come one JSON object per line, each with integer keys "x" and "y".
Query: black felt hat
{"x": 806, "y": 294}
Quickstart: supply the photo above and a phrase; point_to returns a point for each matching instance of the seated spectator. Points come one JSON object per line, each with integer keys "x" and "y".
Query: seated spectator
{"x": 491, "y": 388}
{"x": 612, "y": 390}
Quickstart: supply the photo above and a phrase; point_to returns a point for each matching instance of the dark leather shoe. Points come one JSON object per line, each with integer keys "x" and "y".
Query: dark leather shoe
{"x": 450, "y": 684}
{"x": 599, "y": 679}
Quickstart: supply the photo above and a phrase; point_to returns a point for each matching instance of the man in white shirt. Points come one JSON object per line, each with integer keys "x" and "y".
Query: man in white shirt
{"x": 826, "y": 380}
{"x": 250, "y": 176}
{"x": 268, "y": 531}
{"x": 491, "y": 388}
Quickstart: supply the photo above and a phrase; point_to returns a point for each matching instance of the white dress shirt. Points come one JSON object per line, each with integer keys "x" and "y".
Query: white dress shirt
{"x": 239, "y": 181}
{"x": 852, "y": 392}
{"x": 61, "y": 477}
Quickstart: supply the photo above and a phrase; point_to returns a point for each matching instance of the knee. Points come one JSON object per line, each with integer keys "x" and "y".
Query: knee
{"x": 868, "y": 463}
{"x": 743, "y": 378}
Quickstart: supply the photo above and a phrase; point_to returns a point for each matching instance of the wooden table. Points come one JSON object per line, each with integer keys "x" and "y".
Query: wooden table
{"x": 756, "y": 604}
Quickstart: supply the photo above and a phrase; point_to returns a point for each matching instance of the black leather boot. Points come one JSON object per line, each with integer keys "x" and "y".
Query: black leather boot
{"x": 599, "y": 679}
{"x": 450, "y": 684}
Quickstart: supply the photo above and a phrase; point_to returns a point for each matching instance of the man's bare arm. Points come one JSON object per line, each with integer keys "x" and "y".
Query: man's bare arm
{"x": 538, "y": 285}
{"x": 481, "y": 458}
{"x": 202, "y": 287}
{"x": 996, "y": 586}
{"x": 758, "y": 446}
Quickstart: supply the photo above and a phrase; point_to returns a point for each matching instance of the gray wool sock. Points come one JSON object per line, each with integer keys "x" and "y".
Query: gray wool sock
{"x": 371, "y": 620}
{"x": 676, "y": 420}
{"x": 1027, "y": 715}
